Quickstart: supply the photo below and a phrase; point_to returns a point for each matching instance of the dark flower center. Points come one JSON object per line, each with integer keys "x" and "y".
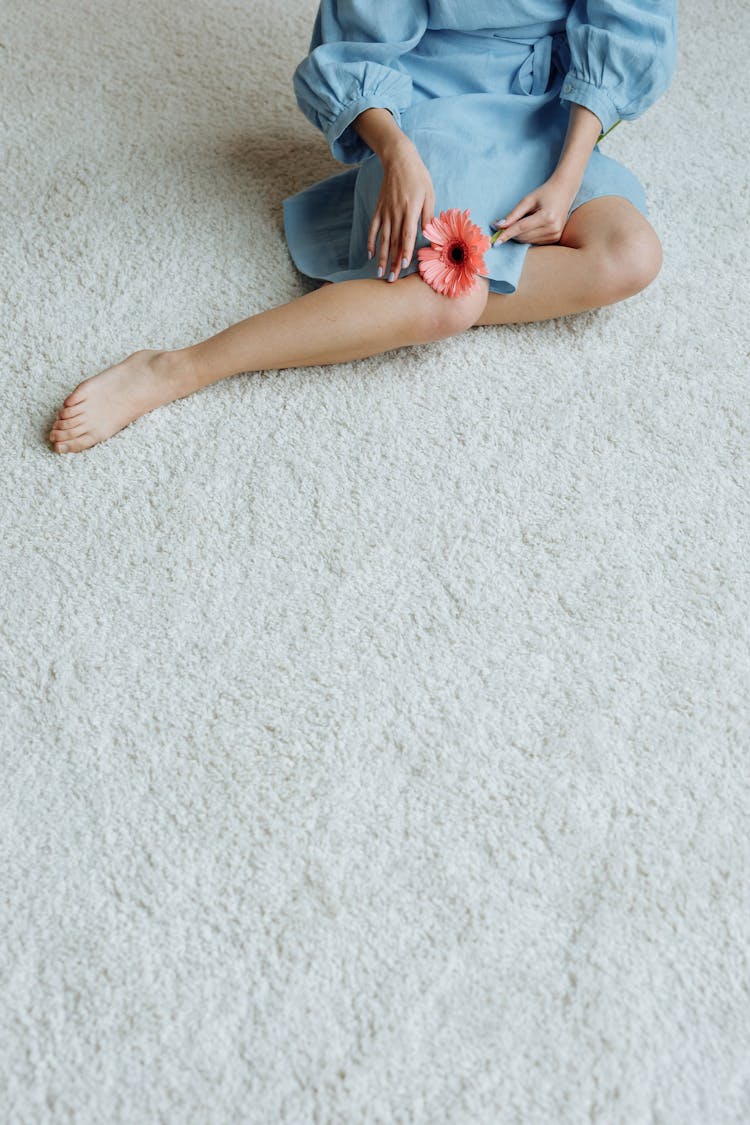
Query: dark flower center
{"x": 457, "y": 252}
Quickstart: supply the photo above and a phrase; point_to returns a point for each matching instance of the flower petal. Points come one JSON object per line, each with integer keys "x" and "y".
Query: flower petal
{"x": 452, "y": 232}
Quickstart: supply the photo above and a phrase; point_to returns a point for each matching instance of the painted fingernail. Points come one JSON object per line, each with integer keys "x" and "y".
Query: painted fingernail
{"x": 392, "y": 275}
{"x": 63, "y": 449}
{"x": 380, "y": 271}
{"x": 369, "y": 255}
{"x": 404, "y": 263}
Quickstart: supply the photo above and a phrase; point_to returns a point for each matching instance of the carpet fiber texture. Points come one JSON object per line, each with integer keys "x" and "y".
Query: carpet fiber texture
{"x": 374, "y": 736}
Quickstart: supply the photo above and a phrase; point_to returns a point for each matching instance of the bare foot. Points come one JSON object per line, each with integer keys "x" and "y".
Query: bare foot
{"x": 105, "y": 403}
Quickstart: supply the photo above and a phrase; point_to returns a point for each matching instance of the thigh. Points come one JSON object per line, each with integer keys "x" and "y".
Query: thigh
{"x": 617, "y": 253}
{"x": 606, "y": 219}
{"x": 437, "y": 315}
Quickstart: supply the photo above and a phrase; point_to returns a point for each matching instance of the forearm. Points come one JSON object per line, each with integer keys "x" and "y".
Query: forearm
{"x": 378, "y": 129}
{"x": 584, "y": 129}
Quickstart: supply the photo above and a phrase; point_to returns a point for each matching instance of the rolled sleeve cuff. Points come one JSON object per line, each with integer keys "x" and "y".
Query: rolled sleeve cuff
{"x": 592, "y": 97}
{"x": 346, "y": 144}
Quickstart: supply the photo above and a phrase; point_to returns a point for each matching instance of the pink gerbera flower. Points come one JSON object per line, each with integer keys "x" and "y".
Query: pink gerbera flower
{"x": 451, "y": 264}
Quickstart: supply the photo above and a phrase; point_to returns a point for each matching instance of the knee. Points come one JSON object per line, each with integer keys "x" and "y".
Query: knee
{"x": 449, "y": 316}
{"x": 631, "y": 262}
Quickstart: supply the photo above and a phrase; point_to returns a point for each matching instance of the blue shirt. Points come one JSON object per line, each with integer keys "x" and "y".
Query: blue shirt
{"x": 482, "y": 87}
{"x": 367, "y": 53}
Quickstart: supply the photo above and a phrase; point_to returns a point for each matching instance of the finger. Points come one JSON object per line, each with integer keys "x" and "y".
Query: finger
{"x": 541, "y": 228}
{"x": 520, "y": 229}
{"x": 385, "y": 243}
{"x": 536, "y": 236}
{"x": 372, "y": 235}
{"x": 521, "y": 208}
{"x": 408, "y": 238}
{"x": 428, "y": 210}
{"x": 395, "y": 263}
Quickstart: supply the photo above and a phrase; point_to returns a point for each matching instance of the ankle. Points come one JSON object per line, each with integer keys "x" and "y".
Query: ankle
{"x": 176, "y": 368}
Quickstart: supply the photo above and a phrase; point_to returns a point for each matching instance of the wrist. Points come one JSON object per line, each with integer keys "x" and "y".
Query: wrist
{"x": 580, "y": 141}
{"x": 394, "y": 148}
{"x": 568, "y": 178}
{"x": 378, "y": 128}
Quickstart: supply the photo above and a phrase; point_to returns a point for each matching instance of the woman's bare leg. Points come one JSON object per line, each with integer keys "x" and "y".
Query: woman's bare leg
{"x": 332, "y": 324}
{"x": 608, "y": 251}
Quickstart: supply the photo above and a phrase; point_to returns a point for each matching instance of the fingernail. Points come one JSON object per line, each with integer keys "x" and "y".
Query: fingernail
{"x": 63, "y": 449}
{"x": 494, "y": 226}
{"x": 392, "y": 275}
{"x": 369, "y": 255}
{"x": 404, "y": 263}
{"x": 380, "y": 271}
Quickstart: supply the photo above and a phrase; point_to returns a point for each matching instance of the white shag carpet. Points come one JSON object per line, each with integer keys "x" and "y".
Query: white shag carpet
{"x": 375, "y": 737}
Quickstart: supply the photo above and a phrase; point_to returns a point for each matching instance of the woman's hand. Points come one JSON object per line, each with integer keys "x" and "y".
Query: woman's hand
{"x": 540, "y": 217}
{"x": 406, "y": 198}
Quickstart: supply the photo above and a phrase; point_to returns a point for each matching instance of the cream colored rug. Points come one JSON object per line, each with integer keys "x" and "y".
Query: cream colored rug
{"x": 374, "y": 737}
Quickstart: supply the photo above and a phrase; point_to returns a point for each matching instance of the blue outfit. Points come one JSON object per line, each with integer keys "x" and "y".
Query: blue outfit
{"x": 482, "y": 89}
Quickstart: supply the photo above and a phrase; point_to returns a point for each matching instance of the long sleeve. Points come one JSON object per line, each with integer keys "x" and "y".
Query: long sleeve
{"x": 623, "y": 55}
{"x": 353, "y": 65}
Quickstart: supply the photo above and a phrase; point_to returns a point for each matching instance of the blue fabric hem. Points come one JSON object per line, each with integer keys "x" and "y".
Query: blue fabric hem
{"x": 345, "y": 142}
{"x": 593, "y": 97}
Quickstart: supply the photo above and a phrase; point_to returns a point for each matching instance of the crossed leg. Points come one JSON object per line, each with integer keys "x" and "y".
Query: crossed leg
{"x": 608, "y": 251}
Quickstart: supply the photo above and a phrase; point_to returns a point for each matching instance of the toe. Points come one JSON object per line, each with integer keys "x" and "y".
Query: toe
{"x": 73, "y": 420}
{"x": 66, "y": 417}
{"x": 65, "y": 433}
{"x": 77, "y": 395}
{"x": 82, "y": 441}
{"x": 65, "y": 423}
{"x": 74, "y": 444}
{"x": 63, "y": 427}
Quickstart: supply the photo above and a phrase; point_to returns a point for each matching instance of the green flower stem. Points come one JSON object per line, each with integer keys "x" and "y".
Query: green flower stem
{"x": 603, "y": 135}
